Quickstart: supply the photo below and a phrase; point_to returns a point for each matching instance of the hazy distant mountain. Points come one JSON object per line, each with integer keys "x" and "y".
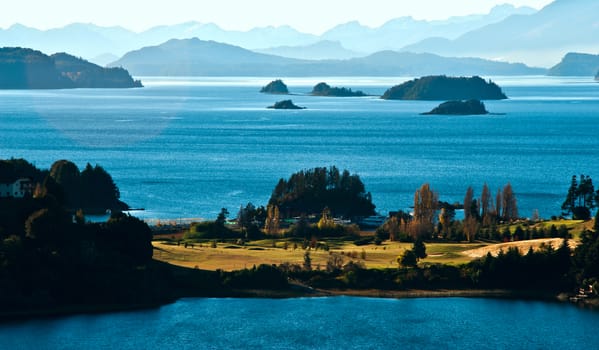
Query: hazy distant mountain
{"x": 86, "y": 40}
{"x": 541, "y": 38}
{"x": 321, "y": 50}
{"x": 91, "y": 41}
{"x": 403, "y": 31}
{"x": 194, "y": 57}
{"x": 104, "y": 59}
{"x": 252, "y": 39}
{"x": 576, "y": 64}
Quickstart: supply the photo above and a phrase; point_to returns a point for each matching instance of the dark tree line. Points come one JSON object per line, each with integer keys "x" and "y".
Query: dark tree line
{"x": 581, "y": 198}
{"x": 93, "y": 189}
{"x": 47, "y": 259}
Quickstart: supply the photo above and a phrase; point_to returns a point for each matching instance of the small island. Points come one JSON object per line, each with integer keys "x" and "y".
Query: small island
{"x": 276, "y": 87}
{"x": 323, "y": 89}
{"x": 445, "y": 88}
{"x": 285, "y": 104}
{"x": 23, "y": 68}
{"x": 470, "y": 107}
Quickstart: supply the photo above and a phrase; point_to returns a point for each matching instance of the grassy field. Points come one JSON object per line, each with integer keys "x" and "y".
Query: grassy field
{"x": 228, "y": 256}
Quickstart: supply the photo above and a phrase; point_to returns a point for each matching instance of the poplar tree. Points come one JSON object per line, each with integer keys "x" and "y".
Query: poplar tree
{"x": 468, "y": 202}
{"x": 510, "y": 205}
{"x": 485, "y": 205}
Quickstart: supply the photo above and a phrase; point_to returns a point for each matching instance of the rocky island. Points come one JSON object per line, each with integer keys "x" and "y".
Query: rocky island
{"x": 285, "y": 104}
{"x": 442, "y": 87}
{"x": 323, "y": 89}
{"x": 22, "y": 68}
{"x": 470, "y": 107}
{"x": 276, "y": 87}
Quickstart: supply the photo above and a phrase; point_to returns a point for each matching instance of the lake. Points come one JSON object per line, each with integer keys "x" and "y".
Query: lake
{"x": 186, "y": 147}
{"x": 318, "y": 323}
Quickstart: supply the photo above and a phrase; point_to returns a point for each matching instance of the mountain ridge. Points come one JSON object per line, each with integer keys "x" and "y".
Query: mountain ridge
{"x": 195, "y": 57}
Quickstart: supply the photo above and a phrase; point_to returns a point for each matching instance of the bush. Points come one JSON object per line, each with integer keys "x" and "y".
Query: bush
{"x": 364, "y": 241}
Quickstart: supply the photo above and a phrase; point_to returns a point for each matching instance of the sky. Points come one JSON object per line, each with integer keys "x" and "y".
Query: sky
{"x": 310, "y": 16}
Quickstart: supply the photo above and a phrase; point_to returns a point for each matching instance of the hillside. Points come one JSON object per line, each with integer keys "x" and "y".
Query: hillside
{"x": 540, "y": 38}
{"x": 322, "y": 50}
{"x": 22, "y": 68}
{"x": 576, "y": 64}
{"x": 194, "y": 57}
{"x": 445, "y": 88}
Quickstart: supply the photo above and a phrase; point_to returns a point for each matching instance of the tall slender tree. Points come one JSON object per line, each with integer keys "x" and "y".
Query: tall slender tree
{"x": 468, "y": 202}
{"x": 425, "y": 205}
{"x": 485, "y": 204}
{"x": 509, "y": 202}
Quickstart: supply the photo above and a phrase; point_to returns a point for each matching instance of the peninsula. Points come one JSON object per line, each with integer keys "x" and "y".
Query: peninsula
{"x": 576, "y": 64}
{"x": 276, "y": 87}
{"x": 323, "y": 89}
{"x": 74, "y": 265}
{"x": 470, "y": 107}
{"x": 23, "y": 68}
{"x": 441, "y": 87}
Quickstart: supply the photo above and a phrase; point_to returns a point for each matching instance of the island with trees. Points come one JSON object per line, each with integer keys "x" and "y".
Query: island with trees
{"x": 23, "y": 68}
{"x": 469, "y": 107}
{"x": 443, "y": 88}
{"x": 276, "y": 87}
{"x": 323, "y": 89}
{"x": 285, "y": 104}
{"x": 305, "y": 242}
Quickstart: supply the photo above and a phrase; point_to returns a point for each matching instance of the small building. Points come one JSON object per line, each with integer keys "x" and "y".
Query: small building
{"x": 20, "y": 188}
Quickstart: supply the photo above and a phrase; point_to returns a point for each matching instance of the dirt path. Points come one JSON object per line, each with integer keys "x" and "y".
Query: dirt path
{"x": 523, "y": 247}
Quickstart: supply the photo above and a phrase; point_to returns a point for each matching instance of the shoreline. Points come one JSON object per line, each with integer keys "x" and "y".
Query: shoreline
{"x": 293, "y": 292}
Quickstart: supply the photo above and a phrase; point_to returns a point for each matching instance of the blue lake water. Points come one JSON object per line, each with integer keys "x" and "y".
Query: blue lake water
{"x": 320, "y": 323}
{"x": 187, "y": 147}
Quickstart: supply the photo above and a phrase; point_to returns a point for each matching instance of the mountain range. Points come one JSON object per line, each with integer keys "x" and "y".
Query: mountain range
{"x": 102, "y": 44}
{"x": 506, "y": 33}
{"x": 540, "y": 38}
{"x": 195, "y": 57}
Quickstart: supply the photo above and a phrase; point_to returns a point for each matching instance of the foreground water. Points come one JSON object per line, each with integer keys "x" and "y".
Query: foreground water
{"x": 320, "y": 323}
{"x": 187, "y": 147}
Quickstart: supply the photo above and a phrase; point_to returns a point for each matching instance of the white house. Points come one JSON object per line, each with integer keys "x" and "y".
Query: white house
{"x": 17, "y": 189}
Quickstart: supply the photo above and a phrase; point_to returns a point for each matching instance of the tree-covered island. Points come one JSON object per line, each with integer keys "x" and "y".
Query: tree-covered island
{"x": 443, "y": 88}
{"x": 470, "y": 107}
{"x": 285, "y": 104}
{"x": 276, "y": 87}
{"x": 324, "y": 89}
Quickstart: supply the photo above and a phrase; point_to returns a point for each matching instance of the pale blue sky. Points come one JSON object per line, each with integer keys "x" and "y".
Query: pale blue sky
{"x": 313, "y": 16}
